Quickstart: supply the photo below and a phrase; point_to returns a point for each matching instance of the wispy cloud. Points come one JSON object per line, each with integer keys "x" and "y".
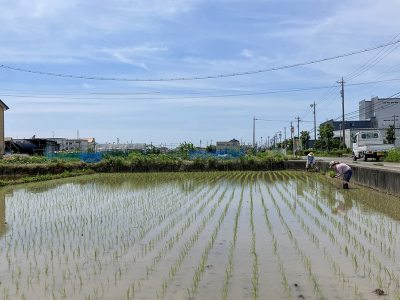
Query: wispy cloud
{"x": 129, "y": 61}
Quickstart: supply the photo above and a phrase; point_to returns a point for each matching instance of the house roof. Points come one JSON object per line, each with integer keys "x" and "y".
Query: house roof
{"x": 4, "y": 105}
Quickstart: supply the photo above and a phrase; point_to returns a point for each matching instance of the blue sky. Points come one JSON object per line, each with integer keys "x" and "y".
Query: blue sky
{"x": 154, "y": 39}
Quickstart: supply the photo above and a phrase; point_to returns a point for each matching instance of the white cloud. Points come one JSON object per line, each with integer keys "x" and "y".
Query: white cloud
{"x": 247, "y": 53}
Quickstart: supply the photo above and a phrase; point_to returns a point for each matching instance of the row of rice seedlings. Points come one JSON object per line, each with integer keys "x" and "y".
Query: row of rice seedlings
{"x": 178, "y": 218}
{"x": 200, "y": 269}
{"x": 306, "y": 261}
{"x": 228, "y": 270}
{"x": 254, "y": 279}
{"x": 315, "y": 239}
{"x": 157, "y": 259}
{"x": 190, "y": 242}
{"x": 175, "y": 238}
{"x": 287, "y": 287}
{"x": 356, "y": 264}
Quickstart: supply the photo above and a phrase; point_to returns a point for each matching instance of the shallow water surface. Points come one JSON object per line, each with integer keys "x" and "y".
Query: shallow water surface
{"x": 236, "y": 235}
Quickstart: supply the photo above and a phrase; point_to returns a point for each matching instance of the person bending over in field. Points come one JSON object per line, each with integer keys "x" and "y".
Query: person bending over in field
{"x": 342, "y": 169}
{"x": 310, "y": 161}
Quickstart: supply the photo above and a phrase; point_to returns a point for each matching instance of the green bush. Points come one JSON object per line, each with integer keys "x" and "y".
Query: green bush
{"x": 393, "y": 155}
{"x": 338, "y": 153}
{"x": 24, "y": 159}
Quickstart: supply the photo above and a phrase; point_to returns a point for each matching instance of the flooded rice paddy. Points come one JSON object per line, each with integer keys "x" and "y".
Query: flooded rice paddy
{"x": 236, "y": 235}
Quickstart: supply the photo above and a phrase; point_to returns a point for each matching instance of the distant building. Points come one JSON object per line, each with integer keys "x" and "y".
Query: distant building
{"x": 3, "y": 108}
{"x": 164, "y": 150}
{"x": 80, "y": 145}
{"x": 120, "y": 147}
{"x": 337, "y": 125}
{"x": 31, "y": 146}
{"x": 380, "y": 111}
{"x": 228, "y": 145}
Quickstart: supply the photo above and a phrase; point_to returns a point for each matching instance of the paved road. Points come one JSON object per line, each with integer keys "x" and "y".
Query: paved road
{"x": 369, "y": 163}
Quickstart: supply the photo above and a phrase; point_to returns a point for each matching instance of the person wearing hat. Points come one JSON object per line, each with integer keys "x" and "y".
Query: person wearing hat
{"x": 342, "y": 169}
{"x": 310, "y": 161}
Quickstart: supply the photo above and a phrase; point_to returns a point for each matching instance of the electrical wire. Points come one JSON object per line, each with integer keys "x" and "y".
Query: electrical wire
{"x": 194, "y": 97}
{"x": 199, "y": 77}
{"x": 371, "y": 62}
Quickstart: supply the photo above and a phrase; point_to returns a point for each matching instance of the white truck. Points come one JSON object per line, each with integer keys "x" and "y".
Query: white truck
{"x": 369, "y": 144}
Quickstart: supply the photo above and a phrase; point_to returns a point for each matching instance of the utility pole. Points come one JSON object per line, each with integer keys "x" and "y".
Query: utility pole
{"x": 285, "y": 137}
{"x": 292, "y": 137}
{"x": 254, "y": 131}
{"x": 268, "y": 142}
{"x": 200, "y": 143}
{"x": 298, "y": 128}
{"x": 315, "y": 123}
{"x": 343, "y": 125}
{"x": 291, "y": 129}
{"x": 261, "y": 142}
{"x": 394, "y": 129}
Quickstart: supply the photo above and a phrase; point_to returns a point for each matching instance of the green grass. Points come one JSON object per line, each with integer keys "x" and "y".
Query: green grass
{"x": 393, "y": 155}
{"x": 46, "y": 177}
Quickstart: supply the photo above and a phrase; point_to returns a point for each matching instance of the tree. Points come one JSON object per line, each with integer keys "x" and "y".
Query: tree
{"x": 151, "y": 149}
{"x": 184, "y": 149}
{"x": 325, "y": 132}
{"x": 305, "y": 139}
{"x": 289, "y": 144}
{"x": 211, "y": 148}
{"x": 390, "y": 134}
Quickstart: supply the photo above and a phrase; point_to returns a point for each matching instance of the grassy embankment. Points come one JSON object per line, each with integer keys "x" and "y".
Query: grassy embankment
{"x": 38, "y": 168}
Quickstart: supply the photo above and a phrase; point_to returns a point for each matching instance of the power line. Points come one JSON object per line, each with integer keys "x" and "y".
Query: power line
{"x": 198, "y": 77}
{"x": 199, "y": 97}
{"x": 362, "y": 69}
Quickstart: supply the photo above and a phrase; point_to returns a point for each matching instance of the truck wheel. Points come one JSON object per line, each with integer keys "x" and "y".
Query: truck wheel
{"x": 354, "y": 157}
{"x": 377, "y": 158}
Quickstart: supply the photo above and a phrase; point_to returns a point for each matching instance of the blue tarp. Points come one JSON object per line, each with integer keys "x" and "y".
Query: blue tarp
{"x": 91, "y": 157}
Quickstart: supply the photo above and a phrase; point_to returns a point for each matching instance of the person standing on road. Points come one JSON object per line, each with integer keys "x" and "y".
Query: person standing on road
{"x": 310, "y": 161}
{"x": 342, "y": 169}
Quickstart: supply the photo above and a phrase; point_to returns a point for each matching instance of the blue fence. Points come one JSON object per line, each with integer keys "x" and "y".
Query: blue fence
{"x": 86, "y": 157}
{"x": 63, "y": 155}
{"x": 220, "y": 154}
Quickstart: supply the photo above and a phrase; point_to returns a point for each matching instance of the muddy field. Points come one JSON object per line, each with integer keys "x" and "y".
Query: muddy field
{"x": 236, "y": 235}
